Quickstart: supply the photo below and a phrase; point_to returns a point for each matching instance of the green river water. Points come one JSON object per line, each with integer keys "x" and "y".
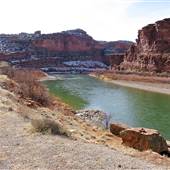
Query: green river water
{"x": 134, "y": 107}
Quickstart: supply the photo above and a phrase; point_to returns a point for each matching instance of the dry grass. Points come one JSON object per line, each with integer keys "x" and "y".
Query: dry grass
{"x": 25, "y": 84}
{"x": 28, "y": 86}
{"x": 48, "y": 125}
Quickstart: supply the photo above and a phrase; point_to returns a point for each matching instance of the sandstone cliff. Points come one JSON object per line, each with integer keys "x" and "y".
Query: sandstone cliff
{"x": 51, "y": 50}
{"x": 151, "y": 53}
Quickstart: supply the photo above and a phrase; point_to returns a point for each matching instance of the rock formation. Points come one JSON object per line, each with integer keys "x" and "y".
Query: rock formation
{"x": 67, "y": 41}
{"x": 51, "y": 50}
{"x": 151, "y": 53}
{"x": 144, "y": 139}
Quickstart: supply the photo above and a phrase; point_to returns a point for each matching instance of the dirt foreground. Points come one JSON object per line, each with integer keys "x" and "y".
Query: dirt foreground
{"x": 86, "y": 146}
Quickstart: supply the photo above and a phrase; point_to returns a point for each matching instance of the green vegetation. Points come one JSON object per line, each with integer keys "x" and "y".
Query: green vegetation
{"x": 65, "y": 95}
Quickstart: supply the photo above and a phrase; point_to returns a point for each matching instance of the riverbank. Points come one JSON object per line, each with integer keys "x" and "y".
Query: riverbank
{"x": 72, "y": 132}
{"x": 121, "y": 103}
{"x": 48, "y": 77}
{"x": 155, "y": 85}
{"x": 23, "y": 149}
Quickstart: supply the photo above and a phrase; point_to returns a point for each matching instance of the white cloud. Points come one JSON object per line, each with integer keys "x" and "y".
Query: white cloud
{"x": 103, "y": 19}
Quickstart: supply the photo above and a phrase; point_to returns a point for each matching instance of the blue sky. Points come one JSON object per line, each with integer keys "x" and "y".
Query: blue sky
{"x": 145, "y": 12}
{"x": 151, "y": 9}
{"x": 103, "y": 19}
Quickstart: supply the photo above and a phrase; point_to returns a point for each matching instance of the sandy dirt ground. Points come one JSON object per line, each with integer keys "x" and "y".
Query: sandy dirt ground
{"x": 157, "y": 85}
{"x": 152, "y": 87}
{"x": 21, "y": 147}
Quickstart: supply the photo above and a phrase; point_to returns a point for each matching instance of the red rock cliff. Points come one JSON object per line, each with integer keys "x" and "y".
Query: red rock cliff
{"x": 42, "y": 50}
{"x": 151, "y": 53}
{"x": 73, "y": 40}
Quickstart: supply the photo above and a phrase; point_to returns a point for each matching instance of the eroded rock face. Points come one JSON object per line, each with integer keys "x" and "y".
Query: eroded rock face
{"x": 51, "y": 50}
{"x": 144, "y": 139}
{"x": 73, "y": 40}
{"x": 151, "y": 52}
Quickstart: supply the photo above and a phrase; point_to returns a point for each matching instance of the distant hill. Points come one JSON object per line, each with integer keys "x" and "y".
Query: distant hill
{"x": 51, "y": 50}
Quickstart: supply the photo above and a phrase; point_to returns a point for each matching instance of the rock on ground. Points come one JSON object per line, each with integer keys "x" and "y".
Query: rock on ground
{"x": 96, "y": 117}
{"x": 144, "y": 139}
{"x": 116, "y": 128}
{"x": 21, "y": 149}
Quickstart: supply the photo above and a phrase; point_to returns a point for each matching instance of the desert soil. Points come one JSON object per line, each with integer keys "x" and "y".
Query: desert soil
{"x": 21, "y": 148}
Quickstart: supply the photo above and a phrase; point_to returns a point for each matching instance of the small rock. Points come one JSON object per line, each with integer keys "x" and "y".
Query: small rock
{"x": 116, "y": 128}
{"x": 10, "y": 109}
{"x": 119, "y": 166}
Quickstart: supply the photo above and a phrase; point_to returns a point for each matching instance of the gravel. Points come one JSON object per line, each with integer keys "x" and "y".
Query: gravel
{"x": 20, "y": 148}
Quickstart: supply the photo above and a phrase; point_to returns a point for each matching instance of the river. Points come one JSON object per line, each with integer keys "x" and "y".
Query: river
{"x": 134, "y": 107}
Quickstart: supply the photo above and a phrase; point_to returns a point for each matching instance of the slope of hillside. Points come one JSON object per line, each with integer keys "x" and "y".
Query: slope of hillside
{"x": 22, "y": 149}
{"x": 83, "y": 146}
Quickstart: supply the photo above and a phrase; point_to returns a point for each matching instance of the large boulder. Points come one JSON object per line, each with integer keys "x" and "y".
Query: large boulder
{"x": 116, "y": 128}
{"x": 144, "y": 139}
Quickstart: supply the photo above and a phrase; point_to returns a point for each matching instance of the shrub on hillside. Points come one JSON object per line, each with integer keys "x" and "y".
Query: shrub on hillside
{"x": 29, "y": 87}
{"x": 53, "y": 126}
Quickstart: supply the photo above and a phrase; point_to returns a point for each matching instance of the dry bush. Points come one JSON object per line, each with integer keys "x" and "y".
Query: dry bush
{"x": 35, "y": 91}
{"x": 49, "y": 125}
{"x": 29, "y": 87}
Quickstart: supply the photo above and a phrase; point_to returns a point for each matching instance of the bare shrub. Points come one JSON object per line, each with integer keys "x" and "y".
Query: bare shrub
{"x": 48, "y": 125}
{"x": 29, "y": 87}
{"x": 35, "y": 91}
